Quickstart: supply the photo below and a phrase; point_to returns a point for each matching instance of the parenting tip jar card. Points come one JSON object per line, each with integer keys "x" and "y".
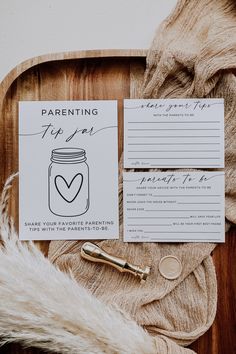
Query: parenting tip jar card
{"x": 174, "y": 133}
{"x": 68, "y": 170}
{"x": 174, "y": 206}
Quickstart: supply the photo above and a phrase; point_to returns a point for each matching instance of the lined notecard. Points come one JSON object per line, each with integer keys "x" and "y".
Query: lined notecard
{"x": 174, "y": 133}
{"x": 174, "y": 206}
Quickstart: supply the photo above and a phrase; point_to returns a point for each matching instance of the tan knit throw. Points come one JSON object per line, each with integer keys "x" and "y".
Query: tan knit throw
{"x": 193, "y": 55}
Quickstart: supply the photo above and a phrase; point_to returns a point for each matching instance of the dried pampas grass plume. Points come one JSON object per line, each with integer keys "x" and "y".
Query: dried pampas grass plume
{"x": 43, "y": 307}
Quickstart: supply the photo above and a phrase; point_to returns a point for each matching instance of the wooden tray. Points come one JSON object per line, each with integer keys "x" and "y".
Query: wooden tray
{"x": 87, "y": 75}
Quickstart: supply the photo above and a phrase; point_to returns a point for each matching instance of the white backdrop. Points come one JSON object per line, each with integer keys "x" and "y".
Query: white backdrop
{"x": 29, "y": 28}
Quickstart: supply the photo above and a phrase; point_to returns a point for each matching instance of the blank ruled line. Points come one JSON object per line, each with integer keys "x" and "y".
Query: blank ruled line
{"x": 182, "y": 232}
{"x": 149, "y": 225}
{"x": 158, "y": 217}
{"x": 173, "y": 158}
{"x": 174, "y": 144}
{"x": 201, "y": 203}
{"x": 188, "y": 165}
{"x": 159, "y": 210}
{"x": 173, "y": 122}
{"x": 164, "y": 129}
{"x": 186, "y": 195}
{"x": 173, "y": 151}
{"x": 174, "y": 136}
{"x": 179, "y": 239}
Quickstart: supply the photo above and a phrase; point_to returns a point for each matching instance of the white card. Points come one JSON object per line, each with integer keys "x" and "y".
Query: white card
{"x": 174, "y": 133}
{"x": 68, "y": 163}
{"x": 174, "y": 207}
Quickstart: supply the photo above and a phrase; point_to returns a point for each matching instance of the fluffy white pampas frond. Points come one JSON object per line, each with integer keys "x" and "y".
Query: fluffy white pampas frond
{"x": 41, "y": 306}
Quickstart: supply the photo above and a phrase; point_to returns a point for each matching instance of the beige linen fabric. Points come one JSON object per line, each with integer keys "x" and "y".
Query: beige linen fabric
{"x": 192, "y": 55}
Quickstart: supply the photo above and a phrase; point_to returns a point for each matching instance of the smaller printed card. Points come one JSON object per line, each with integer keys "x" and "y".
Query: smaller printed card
{"x": 174, "y": 133}
{"x": 68, "y": 163}
{"x": 174, "y": 207}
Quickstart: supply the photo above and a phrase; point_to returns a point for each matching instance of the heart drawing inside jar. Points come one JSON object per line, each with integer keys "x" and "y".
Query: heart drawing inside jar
{"x": 69, "y": 191}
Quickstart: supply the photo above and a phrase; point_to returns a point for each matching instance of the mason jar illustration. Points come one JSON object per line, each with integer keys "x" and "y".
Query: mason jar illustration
{"x": 68, "y": 182}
